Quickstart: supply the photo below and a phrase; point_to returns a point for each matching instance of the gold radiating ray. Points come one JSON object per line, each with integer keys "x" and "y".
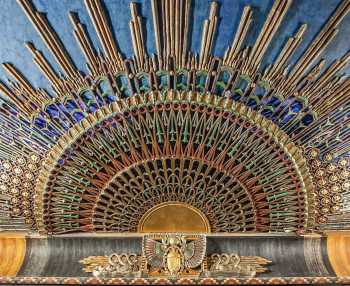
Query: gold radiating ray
{"x": 276, "y": 70}
{"x": 272, "y": 23}
{"x": 325, "y": 36}
{"x": 10, "y": 69}
{"x": 28, "y": 99}
{"x": 103, "y": 30}
{"x": 171, "y": 27}
{"x": 316, "y": 93}
{"x": 137, "y": 37}
{"x": 44, "y": 66}
{"x": 208, "y": 34}
{"x": 234, "y": 49}
{"x": 85, "y": 44}
{"x": 50, "y": 37}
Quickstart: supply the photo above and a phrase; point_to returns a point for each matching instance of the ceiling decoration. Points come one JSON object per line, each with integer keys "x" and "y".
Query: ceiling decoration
{"x": 174, "y": 255}
{"x": 252, "y": 148}
{"x": 229, "y": 162}
{"x": 184, "y": 218}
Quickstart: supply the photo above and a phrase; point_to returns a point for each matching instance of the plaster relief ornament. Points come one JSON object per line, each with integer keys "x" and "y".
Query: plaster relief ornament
{"x": 174, "y": 254}
{"x": 114, "y": 265}
{"x": 229, "y": 264}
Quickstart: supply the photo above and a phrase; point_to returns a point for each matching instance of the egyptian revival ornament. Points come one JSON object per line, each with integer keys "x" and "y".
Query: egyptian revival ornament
{"x": 114, "y": 265}
{"x": 227, "y": 135}
{"x": 221, "y": 264}
{"x": 174, "y": 254}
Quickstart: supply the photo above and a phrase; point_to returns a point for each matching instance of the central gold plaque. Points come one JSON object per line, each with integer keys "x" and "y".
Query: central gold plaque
{"x": 174, "y": 217}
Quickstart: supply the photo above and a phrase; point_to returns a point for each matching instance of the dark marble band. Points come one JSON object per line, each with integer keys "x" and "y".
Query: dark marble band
{"x": 290, "y": 256}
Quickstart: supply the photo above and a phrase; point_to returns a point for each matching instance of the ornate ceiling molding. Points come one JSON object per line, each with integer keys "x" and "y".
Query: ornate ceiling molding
{"x": 217, "y": 132}
{"x": 300, "y": 108}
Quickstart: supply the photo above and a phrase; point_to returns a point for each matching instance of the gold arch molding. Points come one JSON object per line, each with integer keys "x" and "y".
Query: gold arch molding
{"x": 174, "y": 217}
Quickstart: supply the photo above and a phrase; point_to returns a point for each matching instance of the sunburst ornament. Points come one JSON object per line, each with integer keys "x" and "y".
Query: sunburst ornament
{"x": 206, "y": 151}
{"x": 245, "y": 146}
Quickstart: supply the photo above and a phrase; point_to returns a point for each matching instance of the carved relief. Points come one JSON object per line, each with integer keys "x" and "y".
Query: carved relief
{"x": 234, "y": 264}
{"x": 114, "y": 265}
{"x": 174, "y": 255}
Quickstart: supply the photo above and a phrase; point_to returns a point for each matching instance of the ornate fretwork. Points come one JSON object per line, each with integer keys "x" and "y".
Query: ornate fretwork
{"x": 281, "y": 109}
{"x": 223, "y": 199}
{"x": 233, "y": 165}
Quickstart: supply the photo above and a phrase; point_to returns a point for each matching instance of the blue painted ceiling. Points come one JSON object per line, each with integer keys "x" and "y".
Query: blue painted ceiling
{"x": 16, "y": 29}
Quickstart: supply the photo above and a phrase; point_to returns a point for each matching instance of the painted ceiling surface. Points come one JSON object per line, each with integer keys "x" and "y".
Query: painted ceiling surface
{"x": 236, "y": 110}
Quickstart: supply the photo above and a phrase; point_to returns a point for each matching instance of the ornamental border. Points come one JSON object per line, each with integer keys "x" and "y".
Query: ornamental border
{"x": 342, "y": 280}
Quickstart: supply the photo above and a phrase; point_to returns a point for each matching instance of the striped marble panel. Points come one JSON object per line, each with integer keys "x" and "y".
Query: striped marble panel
{"x": 290, "y": 256}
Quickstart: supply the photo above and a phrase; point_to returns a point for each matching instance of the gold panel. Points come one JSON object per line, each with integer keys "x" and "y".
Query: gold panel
{"x": 338, "y": 248}
{"x": 174, "y": 217}
{"x": 12, "y": 252}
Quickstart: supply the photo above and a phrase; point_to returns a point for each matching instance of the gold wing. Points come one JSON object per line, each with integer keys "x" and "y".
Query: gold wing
{"x": 195, "y": 252}
{"x": 256, "y": 262}
{"x": 92, "y": 262}
{"x": 154, "y": 252}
